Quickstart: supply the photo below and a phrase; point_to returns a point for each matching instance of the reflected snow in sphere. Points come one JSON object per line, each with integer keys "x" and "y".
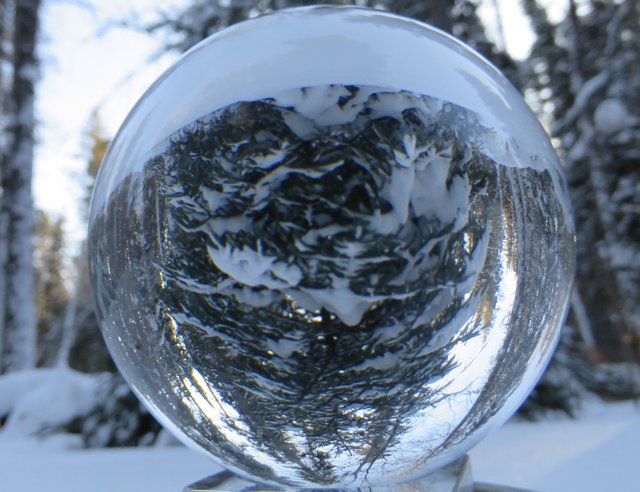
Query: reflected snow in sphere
{"x": 331, "y": 247}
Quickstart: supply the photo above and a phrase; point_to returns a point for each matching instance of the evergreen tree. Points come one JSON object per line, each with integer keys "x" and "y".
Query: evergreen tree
{"x": 588, "y": 71}
{"x": 601, "y": 135}
{"x": 19, "y": 330}
{"x": 82, "y": 346}
{"x": 51, "y": 293}
{"x": 586, "y": 74}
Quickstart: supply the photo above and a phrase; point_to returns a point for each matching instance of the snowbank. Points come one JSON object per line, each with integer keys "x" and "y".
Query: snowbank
{"x": 44, "y": 400}
{"x": 597, "y": 452}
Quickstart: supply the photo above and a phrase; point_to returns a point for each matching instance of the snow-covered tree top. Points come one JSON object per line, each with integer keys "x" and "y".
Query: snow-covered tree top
{"x": 322, "y": 46}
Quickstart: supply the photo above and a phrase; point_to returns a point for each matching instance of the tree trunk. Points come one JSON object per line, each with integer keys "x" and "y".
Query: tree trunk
{"x": 3, "y": 262}
{"x": 4, "y": 151}
{"x": 20, "y": 313}
{"x": 69, "y": 327}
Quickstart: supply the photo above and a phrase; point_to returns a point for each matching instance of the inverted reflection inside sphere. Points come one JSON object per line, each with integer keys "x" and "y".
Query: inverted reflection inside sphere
{"x": 334, "y": 274}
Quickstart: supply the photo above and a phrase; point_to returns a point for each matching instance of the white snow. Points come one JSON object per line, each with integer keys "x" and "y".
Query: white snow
{"x": 29, "y": 466}
{"x": 598, "y": 452}
{"x": 399, "y": 189}
{"x": 383, "y": 362}
{"x": 41, "y": 400}
{"x": 255, "y": 297}
{"x": 320, "y": 104}
{"x": 253, "y": 268}
{"x": 612, "y": 116}
{"x": 431, "y": 196}
{"x": 284, "y": 347}
{"x": 595, "y": 453}
{"x": 339, "y": 299}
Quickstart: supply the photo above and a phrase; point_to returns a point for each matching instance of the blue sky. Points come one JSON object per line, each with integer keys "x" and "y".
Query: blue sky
{"x": 87, "y": 63}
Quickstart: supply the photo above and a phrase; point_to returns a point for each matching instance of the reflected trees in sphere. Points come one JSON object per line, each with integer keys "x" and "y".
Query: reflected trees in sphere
{"x": 331, "y": 247}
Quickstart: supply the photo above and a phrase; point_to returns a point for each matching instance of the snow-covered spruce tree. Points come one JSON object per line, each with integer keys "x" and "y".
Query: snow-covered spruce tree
{"x": 19, "y": 344}
{"x": 586, "y": 73}
{"x": 559, "y": 388}
{"x": 600, "y": 133}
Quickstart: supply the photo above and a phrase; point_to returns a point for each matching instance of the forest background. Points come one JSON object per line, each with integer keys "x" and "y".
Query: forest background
{"x": 581, "y": 76}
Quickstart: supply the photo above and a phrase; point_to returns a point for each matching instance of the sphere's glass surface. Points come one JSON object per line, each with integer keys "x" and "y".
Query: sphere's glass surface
{"x": 331, "y": 247}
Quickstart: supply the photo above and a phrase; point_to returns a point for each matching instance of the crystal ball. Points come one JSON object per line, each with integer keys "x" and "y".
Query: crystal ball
{"x": 331, "y": 247}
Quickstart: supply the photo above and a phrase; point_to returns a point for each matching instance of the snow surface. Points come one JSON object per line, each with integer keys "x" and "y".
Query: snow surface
{"x": 597, "y": 452}
{"x": 29, "y": 466}
{"x": 39, "y": 401}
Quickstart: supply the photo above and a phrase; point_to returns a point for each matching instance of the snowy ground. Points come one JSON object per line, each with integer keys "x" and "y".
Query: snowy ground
{"x": 598, "y": 452}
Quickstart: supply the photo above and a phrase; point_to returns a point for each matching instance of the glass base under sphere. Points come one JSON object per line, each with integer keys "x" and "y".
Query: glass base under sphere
{"x": 455, "y": 477}
{"x": 331, "y": 247}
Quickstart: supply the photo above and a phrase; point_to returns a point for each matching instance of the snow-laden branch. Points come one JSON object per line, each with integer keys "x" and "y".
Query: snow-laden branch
{"x": 586, "y": 92}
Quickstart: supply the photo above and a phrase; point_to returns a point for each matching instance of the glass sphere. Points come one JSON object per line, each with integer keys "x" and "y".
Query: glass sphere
{"x": 331, "y": 247}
